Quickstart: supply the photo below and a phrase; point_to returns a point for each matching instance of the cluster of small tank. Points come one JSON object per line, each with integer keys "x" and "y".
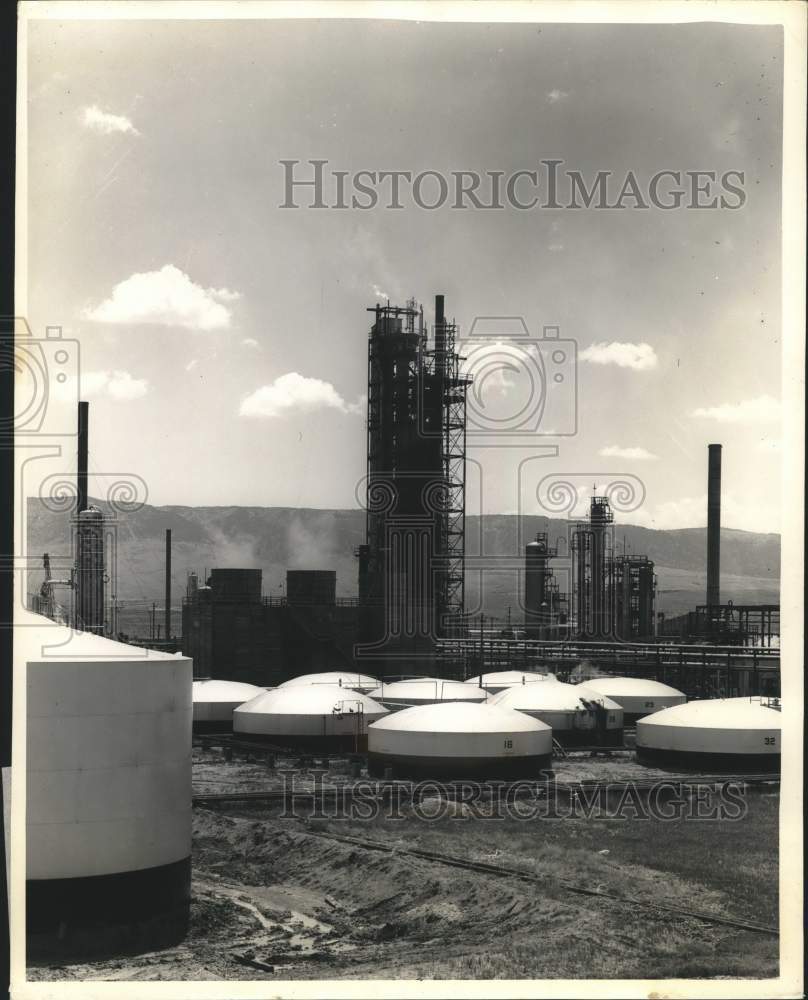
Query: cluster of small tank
{"x": 498, "y": 724}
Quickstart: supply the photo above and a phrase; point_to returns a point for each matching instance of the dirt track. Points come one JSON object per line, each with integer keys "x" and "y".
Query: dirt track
{"x": 276, "y": 898}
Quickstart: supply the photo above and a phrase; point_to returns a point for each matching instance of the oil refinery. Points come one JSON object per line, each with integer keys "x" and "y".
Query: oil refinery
{"x": 396, "y": 684}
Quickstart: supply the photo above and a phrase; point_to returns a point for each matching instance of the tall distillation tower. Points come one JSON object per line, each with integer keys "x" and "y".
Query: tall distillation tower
{"x": 411, "y": 565}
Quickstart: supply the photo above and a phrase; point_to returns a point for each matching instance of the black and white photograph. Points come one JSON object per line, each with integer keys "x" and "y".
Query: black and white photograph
{"x": 408, "y": 457}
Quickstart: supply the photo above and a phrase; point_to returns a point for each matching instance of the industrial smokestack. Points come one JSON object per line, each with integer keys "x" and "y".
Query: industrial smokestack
{"x": 168, "y": 585}
{"x": 81, "y": 485}
{"x": 714, "y": 526}
{"x": 440, "y": 330}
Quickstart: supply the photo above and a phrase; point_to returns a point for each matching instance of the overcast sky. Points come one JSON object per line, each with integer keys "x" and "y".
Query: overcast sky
{"x": 224, "y": 339}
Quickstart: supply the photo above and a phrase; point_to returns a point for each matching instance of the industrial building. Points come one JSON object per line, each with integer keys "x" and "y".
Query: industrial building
{"x": 233, "y": 632}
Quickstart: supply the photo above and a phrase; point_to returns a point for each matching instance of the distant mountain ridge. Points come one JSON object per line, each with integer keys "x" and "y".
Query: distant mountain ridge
{"x": 279, "y": 538}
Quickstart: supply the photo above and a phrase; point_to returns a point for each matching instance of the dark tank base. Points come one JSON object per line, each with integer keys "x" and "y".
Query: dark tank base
{"x": 458, "y": 768}
{"x": 719, "y": 763}
{"x": 213, "y": 726}
{"x": 308, "y": 744}
{"x": 108, "y": 914}
{"x": 589, "y": 737}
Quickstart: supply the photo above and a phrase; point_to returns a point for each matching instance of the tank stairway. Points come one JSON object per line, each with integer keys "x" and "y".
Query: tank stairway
{"x": 558, "y": 750}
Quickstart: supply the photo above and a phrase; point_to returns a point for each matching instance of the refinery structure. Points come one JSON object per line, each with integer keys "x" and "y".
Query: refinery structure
{"x": 401, "y": 682}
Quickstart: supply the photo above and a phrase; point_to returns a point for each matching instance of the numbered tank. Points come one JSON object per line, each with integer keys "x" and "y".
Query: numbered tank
{"x": 324, "y": 717}
{"x": 637, "y": 696}
{"x": 215, "y": 701}
{"x": 723, "y": 735}
{"x": 458, "y": 740}
{"x": 425, "y": 691}
{"x": 577, "y": 716}
{"x": 108, "y": 809}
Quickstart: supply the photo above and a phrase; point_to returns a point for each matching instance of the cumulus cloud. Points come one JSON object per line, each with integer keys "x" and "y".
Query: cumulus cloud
{"x": 640, "y": 357}
{"x": 116, "y": 384}
{"x": 764, "y": 409}
{"x": 295, "y": 393}
{"x": 633, "y": 454}
{"x": 166, "y": 297}
{"x": 556, "y": 95}
{"x": 104, "y": 122}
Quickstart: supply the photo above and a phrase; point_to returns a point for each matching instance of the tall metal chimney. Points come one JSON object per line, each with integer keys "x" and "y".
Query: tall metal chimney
{"x": 168, "y": 585}
{"x": 714, "y": 526}
{"x": 81, "y": 485}
{"x": 440, "y": 332}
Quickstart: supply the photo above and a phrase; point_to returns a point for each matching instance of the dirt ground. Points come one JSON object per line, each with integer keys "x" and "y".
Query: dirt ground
{"x": 277, "y": 898}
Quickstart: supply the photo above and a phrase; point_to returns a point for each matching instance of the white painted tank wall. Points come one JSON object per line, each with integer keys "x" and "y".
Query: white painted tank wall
{"x": 108, "y": 754}
{"x": 555, "y": 703}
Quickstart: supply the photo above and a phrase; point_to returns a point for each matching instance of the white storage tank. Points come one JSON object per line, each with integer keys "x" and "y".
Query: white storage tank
{"x": 637, "y": 696}
{"x": 108, "y": 810}
{"x": 459, "y": 740}
{"x": 575, "y": 714}
{"x": 214, "y": 702}
{"x": 722, "y": 735}
{"x": 342, "y": 678}
{"x": 323, "y": 717}
{"x": 425, "y": 691}
{"x": 495, "y": 682}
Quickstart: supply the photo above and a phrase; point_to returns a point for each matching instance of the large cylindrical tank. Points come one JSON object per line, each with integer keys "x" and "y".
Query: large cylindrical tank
{"x": 501, "y": 679}
{"x": 425, "y": 691}
{"x": 108, "y": 805}
{"x": 241, "y": 586}
{"x": 724, "y": 735}
{"x": 322, "y": 717}
{"x": 576, "y": 715}
{"x": 342, "y": 678}
{"x": 311, "y": 587}
{"x": 637, "y": 696}
{"x": 214, "y": 702}
{"x": 459, "y": 740}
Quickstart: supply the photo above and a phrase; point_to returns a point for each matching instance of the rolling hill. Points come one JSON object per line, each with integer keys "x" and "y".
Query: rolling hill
{"x": 277, "y": 538}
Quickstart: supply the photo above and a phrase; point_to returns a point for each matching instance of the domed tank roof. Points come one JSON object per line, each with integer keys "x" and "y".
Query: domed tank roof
{"x": 310, "y": 699}
{"x": 588, "y": 694}
{"x": 38, "y": 638}
{"x": 459, "y": 717}
{"x": 427, "y": 689}
{"x": 632, "y": 687}
{"x": 225, "y": 691}
{"x": 716, "y": 713}
{"x": 342, "y": 678}
{"x": 558, "y": 697}
{"x": 506, "y": 678}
